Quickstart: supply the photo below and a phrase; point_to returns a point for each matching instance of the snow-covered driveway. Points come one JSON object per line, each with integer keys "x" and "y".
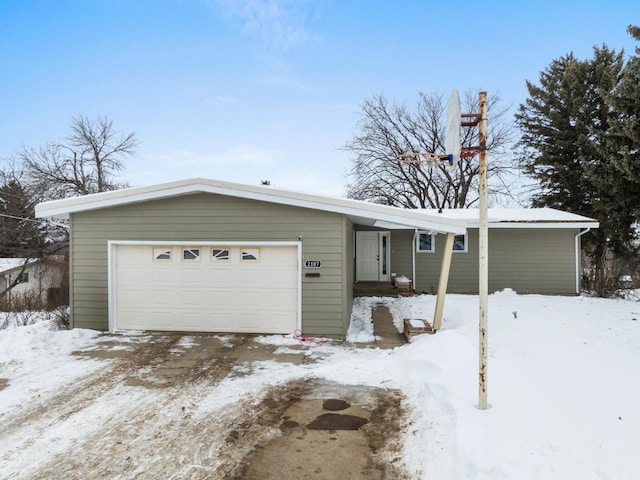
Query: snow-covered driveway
{"x": 148, "y": 406}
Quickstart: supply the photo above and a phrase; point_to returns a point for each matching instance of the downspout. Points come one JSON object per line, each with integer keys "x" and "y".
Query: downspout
{"x": 413, "y": 259}
{"x": 579, "y": 257}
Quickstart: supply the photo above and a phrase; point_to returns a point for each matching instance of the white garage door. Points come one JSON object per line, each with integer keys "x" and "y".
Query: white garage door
{"x": 199, "y": 288}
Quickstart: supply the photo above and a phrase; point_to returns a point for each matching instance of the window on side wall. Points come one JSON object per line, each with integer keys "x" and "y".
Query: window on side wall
{"x": 426, "y": 242}
{"x": 460, "y": 243}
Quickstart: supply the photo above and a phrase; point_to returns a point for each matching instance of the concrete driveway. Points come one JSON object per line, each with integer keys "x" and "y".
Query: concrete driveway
{"x": 169, "y": 406}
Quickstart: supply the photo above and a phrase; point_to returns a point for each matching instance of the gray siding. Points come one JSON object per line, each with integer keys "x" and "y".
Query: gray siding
{"x": 208, "y": 217}
{"x": 401, "y": 249}
{"x": 525, "y": 260}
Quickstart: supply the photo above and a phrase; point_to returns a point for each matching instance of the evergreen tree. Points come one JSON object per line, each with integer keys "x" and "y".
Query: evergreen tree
{"x": 20, "y": 234}
{"x": 565, "y": 123}
{"x": 622, "y": 142}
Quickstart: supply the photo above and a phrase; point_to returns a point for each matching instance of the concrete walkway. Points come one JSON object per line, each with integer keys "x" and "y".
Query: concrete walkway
{"x": 384, "y": 328}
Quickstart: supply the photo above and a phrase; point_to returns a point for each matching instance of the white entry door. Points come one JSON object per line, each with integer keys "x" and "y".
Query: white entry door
{"x": 372, "y": 256}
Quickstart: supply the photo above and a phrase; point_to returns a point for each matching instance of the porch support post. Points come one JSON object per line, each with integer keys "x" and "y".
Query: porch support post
{"x": 444, "y": 281}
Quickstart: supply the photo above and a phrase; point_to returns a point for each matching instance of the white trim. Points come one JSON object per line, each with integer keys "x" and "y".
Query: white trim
{"x": 417, "y": 242}
{"x": 416, "y": 239}
{"x": 299, "y": 322}
{"x": 578, "y": 253}
{"x": 112, "y": 274}
{"x": 382, "y": 277}
{"x": 208, "y": 243}
{"x": 354, "y": 208}
{"x": 111, "y": 286}
{"x": 544, "y": 217}
{"x": 534, "y": 225}
{"x": 433, "y": 242}
{"x": 466, "y": 243}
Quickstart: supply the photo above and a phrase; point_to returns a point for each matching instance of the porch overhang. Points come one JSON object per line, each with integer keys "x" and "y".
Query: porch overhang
{"x": 424, "y": 225}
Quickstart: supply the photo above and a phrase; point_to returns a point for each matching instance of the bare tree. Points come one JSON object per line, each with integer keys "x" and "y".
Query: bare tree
{"x": 387, "y": 130}
{"x": 87, "y": 162}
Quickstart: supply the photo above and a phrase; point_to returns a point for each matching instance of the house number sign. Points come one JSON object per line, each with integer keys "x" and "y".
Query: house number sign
{"x": 313, "y": 264}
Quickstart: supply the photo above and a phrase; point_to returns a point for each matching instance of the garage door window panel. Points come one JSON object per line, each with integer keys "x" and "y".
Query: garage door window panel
{"x": 250, "y": 255}
{"x": 162, "y": 254}
{"x": 220, "y": 255}
{"x": 190, "y": 254}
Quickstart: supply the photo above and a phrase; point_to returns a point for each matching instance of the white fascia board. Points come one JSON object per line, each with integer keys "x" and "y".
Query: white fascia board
{"x": 392, "y": 226}
{"x": 62, "y": 208}
{"x": 412, "y": 218}
{"x": 422, "y": 226}
{"x": 530, "y": 225}
{"x": 546, "y": 225}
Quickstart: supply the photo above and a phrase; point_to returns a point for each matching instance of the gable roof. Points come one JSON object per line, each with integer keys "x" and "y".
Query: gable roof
{"x": 519, "y": 218}
{"x": 360, "y": 213}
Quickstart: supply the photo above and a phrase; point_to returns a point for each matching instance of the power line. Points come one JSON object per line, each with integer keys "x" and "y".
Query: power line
{"x": 58, "y": 224}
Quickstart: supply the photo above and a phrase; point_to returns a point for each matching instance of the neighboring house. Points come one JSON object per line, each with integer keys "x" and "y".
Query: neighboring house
{"x": 206, "y": 255}
{"x": 39, "y": 281}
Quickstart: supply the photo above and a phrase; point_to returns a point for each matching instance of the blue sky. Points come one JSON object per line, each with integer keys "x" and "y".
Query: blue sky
{"x": 248, "y": 90}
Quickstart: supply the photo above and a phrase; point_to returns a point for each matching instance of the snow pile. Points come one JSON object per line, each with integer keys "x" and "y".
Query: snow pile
{"x": 562, "y": 387}
{"x": 38, "y": 343}
{"x": 34, "y": 358}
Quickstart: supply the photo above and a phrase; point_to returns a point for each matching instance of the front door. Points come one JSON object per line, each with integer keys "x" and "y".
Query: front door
{"x": 372, "y": 256}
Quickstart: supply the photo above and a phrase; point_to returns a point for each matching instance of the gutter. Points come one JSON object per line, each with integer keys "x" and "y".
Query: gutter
{"x": 578, "y": 258}
{"x": 413, "y": 258}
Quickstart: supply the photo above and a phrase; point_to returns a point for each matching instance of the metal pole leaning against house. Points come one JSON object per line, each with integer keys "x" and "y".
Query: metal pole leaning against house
{"x": 483, "y": 244}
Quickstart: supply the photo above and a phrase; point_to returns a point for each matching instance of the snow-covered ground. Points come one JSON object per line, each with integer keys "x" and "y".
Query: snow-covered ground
{"x": 563, "y": 383}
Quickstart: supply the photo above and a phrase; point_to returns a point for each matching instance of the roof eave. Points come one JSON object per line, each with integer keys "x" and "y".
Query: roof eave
{"x": 412, "y": 218}
{"x": 540, "y": 224}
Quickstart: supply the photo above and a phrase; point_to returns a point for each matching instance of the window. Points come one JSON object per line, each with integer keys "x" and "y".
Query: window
{"x": 426, "y": 242}
{"x": 250, "y": 254}
{"x": 23, "y": 277}
{"x": 190, "y": 254}
{"x": 384, "y": 253}
{"x": 460, "y": 243}
{"x": 219, "y": 254}
{"x": 162, "y": 253}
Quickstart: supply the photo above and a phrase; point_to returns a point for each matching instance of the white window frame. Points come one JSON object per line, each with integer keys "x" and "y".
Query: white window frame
{"x": 433, "y": 243}
{"x": 466, "y": 244}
